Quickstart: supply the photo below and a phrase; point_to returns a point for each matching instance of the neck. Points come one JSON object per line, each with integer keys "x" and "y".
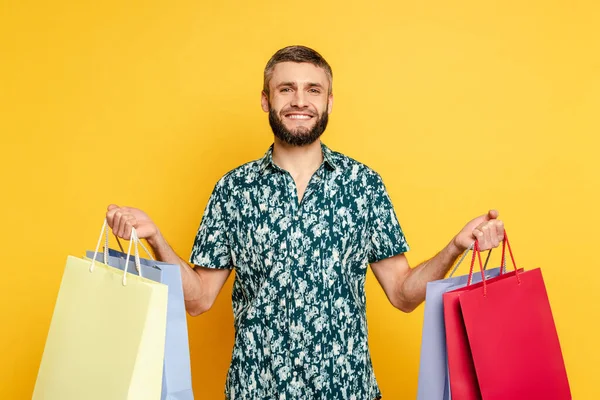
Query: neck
{"x": 296, "y": 160}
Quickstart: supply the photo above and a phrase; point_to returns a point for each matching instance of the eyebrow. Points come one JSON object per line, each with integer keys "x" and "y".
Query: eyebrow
{"x": 311, "y": 84}
{"x": 294, "y": 85}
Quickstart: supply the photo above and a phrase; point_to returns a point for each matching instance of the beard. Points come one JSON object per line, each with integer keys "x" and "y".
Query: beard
{"x": 300, "y": 136}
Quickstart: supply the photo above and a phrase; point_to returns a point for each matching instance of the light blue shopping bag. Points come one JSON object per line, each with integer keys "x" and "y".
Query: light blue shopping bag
{"x": 177, "y": 379}
{"x": 434, "y": 383}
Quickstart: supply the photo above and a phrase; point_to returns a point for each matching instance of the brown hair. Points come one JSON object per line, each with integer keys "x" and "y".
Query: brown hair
{"x": 298, "y": 54}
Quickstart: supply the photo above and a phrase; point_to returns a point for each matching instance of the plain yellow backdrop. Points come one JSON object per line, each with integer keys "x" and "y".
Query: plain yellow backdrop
{"x": 461, "y": 106}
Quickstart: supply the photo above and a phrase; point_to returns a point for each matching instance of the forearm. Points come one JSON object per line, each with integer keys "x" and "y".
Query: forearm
{"x": 412, "y": 289}
{"x": 194, "y": 296}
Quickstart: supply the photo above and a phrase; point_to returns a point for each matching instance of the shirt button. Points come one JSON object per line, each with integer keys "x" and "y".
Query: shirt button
{"x": 295, "y": 373}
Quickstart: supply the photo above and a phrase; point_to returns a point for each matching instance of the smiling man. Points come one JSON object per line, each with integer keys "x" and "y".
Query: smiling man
{"x": 300, "y": 226}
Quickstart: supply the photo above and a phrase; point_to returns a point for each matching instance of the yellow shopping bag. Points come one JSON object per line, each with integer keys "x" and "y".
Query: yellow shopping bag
{"x": 107, "y": 336}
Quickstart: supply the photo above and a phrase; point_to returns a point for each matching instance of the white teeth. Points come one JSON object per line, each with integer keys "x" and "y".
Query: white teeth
{"x": 295, "y": 116}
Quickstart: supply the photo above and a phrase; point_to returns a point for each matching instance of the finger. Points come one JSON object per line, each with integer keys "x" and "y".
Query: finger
{"x": 493, "y": 214}
{"x": 494, "y": 237}
{"x": 116, "y": 217}
{"x": 478, "y": 235}
{"x": 112, "y": 207}
{"x": 129, "y": 222}
{"x": 500, "y": 230}
{"x": 125, "y": 226}
{"x": 110, "y": 217}
{"x": 121, "y": 227}
{"x": 486, "y": 242}
{"x": 488, "y": 237}
{"x": 482, "y": 224}
{"x": 120, "y": 230}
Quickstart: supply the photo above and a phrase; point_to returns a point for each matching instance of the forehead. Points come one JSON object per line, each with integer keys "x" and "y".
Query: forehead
{"x": 298, "y": 73}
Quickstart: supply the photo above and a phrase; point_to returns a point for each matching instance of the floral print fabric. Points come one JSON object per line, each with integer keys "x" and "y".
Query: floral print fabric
{"x": 299, "y": 290}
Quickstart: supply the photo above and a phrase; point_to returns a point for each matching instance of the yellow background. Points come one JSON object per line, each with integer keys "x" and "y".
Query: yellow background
{"x": 461, "y": 106}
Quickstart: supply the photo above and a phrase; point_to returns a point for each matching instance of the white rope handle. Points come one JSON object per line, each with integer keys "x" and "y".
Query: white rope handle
{"x": 134, "y": 239}
{"x": 98, "y": 248}
{"x": 138, "y": 266}
{"x": 106, "y": 247}
{"x": 141, "y": 244}
{"x": 146, "y": 250}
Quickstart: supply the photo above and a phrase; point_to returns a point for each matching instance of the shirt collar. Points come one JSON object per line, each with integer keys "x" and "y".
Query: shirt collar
{"x": 267, "y": 160}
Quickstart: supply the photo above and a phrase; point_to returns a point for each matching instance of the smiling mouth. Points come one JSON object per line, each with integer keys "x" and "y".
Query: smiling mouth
{"x": 298, "y": 117}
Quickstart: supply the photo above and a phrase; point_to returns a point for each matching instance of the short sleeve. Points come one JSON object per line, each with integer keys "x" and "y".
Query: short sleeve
{"x": 386, "y": 238}
{"x": 211, "y": 247}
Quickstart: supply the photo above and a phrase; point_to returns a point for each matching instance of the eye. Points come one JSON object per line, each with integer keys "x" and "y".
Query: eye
{"x": 285, "y": 90}
{"x": 314, "y": 91}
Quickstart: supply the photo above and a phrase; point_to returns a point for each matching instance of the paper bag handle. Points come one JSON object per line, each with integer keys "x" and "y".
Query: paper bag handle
{"x": 105, "y": 252}
{"x": 505, "y": 244}
{"x": 465, "y": 255}
{"x": 106, "y": 249}
{"x": 134, "y": 240}
{"x": 123, "y": 251}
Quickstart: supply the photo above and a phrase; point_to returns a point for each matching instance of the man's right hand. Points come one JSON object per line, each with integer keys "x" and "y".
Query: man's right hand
{"x": 122, "y": 219}
{"x": 200, "y": 285}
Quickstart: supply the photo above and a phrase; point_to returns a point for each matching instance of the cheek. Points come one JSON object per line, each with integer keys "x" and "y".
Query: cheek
{"x": 277, "y": 103}
{"x": 321, "y": 104}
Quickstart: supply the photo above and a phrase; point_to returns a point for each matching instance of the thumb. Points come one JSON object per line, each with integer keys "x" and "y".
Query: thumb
{"x": 492, "y": 214}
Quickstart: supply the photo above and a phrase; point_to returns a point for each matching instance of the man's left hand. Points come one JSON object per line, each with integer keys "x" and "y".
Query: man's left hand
{"x": 487, "y": 229}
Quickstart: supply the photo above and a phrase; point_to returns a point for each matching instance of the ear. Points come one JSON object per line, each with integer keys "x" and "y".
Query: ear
{"x": 330, "y": 103}
{"x": 264, "y": 101}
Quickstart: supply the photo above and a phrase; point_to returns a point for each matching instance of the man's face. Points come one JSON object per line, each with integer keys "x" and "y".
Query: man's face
{"x": 299, "y": 102}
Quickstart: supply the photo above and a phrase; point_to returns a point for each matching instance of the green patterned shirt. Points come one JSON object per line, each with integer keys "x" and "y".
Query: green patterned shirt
{"x": 299, "y": 291}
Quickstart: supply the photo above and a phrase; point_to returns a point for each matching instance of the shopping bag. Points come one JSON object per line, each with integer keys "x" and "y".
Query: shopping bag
{"x": 461, "y": 372}
{"x": 177, "y": 379}
{"x": 107, "y": 335}
{"x": 513, "y": 339}
{"x": 433, "y": 382}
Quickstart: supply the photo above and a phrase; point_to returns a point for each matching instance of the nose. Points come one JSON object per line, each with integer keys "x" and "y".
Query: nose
{"x": 299, "y": 100}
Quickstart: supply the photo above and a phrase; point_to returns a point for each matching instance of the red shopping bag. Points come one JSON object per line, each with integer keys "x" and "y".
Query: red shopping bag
{"x": 463, "y": 380}
{"x": 513, "y": 338}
